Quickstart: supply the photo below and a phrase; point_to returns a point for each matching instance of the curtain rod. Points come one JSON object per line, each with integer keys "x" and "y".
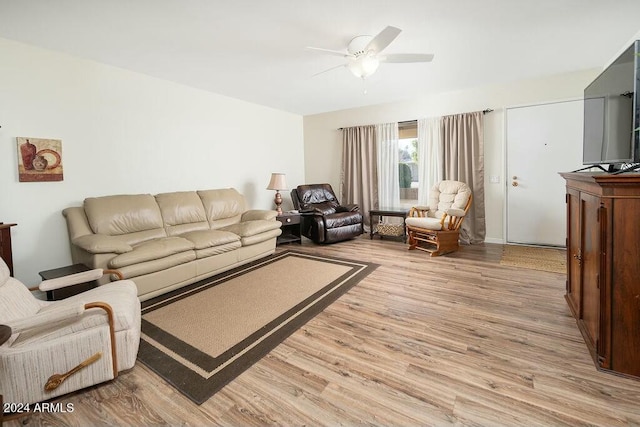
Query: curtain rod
{"x": 485, "y": 111}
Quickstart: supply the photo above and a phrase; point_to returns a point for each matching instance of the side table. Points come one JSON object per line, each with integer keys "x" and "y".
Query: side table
{"x": 5, "y": 334}
{"x": 5, "y": 245}
{"x": 290, "y": 228}
{"x": 58, "y": 294}
{"x": 394, "y": 212}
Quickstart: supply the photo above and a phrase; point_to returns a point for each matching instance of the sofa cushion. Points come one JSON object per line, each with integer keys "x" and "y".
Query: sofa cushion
{"x": 152, "y": 250}
{"x": 222, "y": 207}
{"x": 252, "y": 228}
{"x": 122, "y": 214}
{"x": 101, "y": 244}
{"x": 134, "y": 270}
{"x": 182, "y": 211}
{"x": 203, "y": 239}
{"x": 218, "y": 249}
{"x": 260, "y": 237}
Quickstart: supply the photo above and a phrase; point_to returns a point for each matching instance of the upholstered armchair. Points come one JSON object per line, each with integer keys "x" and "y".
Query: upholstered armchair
{"x": 323, "y": 219}
{"x": 436, "y": 228}
{"x": 50, "y": 348}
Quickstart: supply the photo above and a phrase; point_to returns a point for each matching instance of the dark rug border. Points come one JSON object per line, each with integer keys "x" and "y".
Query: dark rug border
{"x": 193, "y": 385}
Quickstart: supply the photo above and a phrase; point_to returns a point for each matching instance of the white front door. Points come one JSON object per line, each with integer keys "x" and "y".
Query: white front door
{"x": 541, "y": 141}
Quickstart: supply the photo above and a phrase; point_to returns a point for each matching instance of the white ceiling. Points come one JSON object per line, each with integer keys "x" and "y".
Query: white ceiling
{"x": 255, "y": 50}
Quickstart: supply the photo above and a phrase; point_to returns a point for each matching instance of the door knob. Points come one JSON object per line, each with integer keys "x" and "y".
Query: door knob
{"x": 515, "y": 184}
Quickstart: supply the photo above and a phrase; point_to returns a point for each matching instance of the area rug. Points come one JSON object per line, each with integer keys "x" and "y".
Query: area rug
{"x": 201, "y": 337}
{"x": 535, "y": 258}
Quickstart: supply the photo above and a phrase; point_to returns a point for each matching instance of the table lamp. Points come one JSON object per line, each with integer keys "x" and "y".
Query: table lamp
{"x": 277, "y": 183}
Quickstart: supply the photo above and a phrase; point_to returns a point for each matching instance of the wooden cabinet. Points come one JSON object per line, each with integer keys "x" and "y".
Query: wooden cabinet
{"x": 603, "y": 266}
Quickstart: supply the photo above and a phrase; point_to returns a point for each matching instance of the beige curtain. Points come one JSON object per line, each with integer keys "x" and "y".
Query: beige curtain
{"x": 359, "y": 180}
{"x": 463, "y": 160}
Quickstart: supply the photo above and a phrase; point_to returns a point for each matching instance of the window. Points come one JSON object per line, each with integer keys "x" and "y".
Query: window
{"x": 408, "y": 162}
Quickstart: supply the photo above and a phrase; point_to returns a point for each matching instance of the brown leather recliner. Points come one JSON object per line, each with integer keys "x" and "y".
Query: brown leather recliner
{"x": 323, "y": 219}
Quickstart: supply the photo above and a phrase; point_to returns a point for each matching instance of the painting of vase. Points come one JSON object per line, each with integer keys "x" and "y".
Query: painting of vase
{"x": 39, "y": 159}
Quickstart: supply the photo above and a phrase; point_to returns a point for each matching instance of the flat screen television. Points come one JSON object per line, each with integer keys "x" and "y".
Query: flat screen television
{"x": 611, "y": 113}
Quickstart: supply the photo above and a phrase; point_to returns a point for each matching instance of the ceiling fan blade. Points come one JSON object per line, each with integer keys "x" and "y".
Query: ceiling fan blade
{"x": 332, "y": 68}
{"x": 383, "y": 39}
{"x": 406, "y": 57}
{"x": 329, "y": 51}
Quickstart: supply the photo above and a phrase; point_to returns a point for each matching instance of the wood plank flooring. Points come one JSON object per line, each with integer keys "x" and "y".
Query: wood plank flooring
{"x": 455, "y": 340}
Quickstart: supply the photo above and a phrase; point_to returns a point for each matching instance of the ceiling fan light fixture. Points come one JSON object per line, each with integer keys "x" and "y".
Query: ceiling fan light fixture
{"x": 364, "y": 65}
{"x": 363, "y": 55}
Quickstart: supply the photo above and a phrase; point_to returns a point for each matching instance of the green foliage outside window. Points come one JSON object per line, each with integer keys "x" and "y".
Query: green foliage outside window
{"x": 405, "y": 175}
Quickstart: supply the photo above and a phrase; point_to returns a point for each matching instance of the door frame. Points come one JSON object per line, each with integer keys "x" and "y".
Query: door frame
{"x": 506, "y": 181}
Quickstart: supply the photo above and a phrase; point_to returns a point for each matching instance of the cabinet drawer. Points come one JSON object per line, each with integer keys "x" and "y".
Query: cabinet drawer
{"x": 289, "y": 219}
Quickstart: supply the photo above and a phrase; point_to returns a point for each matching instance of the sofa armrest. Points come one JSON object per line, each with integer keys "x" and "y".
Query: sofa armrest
{"x": 101, "y": 244}
{"x": 256, "y": 214}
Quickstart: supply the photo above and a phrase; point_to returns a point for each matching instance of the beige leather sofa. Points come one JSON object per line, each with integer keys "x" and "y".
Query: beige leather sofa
{"x": 169, "y": 240}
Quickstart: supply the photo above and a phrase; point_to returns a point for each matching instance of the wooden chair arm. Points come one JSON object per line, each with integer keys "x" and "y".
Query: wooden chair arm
{"x": 115, "y": 273}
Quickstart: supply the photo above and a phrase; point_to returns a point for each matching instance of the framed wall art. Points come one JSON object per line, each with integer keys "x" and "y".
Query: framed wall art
{"x": 39, "y": 159}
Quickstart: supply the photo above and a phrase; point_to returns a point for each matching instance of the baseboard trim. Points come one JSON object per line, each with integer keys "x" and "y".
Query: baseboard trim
{"x": 494, "y": 240}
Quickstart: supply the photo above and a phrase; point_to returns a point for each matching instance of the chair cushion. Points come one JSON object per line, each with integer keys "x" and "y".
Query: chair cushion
{"x": 448, "y": 194}
{"x": 325, "y": 208}
{"x": 122, "y": 296}
{"x": 310, "y": 196}
{"x": 16, "y": 301}
{"x": 341, "y": 219}
{"x": 424, "y": 222}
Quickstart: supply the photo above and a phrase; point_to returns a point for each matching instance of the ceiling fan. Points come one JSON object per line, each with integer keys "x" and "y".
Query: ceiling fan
{"x": 363, "y": 53}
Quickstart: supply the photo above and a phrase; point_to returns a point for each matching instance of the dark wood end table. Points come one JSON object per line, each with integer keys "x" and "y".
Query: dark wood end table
{"x": 5, "y": 334}
{"x": 58, "y": 294}
{"x": 381, "y": 212}
{"x": 290, "y": 228}
{"x": 5, "y": 245}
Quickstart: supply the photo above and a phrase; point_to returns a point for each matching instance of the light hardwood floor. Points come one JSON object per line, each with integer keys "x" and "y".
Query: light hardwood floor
{"x": 454, "y": 340}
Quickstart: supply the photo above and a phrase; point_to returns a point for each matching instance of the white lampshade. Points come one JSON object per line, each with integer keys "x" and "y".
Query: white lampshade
{"x": 277, "y": 182}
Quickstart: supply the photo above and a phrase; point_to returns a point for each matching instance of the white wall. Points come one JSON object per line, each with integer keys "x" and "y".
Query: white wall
{"x": 124, "y": 132}
{"x": 322, "y": 139}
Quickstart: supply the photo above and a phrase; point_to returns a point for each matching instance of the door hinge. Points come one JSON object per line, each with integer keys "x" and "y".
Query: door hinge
{"x": 598, "y": 280}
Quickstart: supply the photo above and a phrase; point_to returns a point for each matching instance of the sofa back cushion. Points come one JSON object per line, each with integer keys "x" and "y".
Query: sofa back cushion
{"x": 123, "y": 214}
{"x": 222, "y": 207}
{"x": 182, "y": 212}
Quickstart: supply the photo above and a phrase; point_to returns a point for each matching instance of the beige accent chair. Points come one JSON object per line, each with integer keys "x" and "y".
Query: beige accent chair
{"x": 57, "y": 347}
{"x": 436, "y": 228}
